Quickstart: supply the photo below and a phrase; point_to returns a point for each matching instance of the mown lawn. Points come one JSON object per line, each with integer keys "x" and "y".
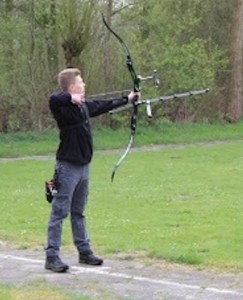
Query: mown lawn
{"x": 46, "y": 142}
{"x": 180, "y": 204}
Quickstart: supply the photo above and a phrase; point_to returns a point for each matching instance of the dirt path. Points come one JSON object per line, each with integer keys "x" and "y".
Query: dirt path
{"x": 121, "y": 279}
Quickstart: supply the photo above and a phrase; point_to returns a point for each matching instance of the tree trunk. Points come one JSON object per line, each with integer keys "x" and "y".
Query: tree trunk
{"x": 235, "y": 109}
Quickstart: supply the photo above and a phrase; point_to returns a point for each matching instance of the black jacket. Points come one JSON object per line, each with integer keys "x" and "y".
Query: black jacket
{"x": 73, "y": 122}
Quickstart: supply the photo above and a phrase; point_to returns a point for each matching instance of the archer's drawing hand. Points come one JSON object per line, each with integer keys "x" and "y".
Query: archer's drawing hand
{"x": 78, "y": 99}
{"x": 133, "y": 96}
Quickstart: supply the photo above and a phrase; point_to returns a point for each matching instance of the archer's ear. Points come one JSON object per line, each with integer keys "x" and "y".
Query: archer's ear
{"x": 71, "y": 88}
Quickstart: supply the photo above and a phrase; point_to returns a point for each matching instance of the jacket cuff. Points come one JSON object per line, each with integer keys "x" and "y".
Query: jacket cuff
{"x": 125, "y": 98}
{"x": 119, "y": 102}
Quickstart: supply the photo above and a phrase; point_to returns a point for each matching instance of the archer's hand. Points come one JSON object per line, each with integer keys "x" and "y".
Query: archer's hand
{"x": 133, "y": 96}
{"x": 77, "y": 98}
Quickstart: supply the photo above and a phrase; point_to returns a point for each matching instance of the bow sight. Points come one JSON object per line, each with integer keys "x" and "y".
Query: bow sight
{"x": 153, "y": 77}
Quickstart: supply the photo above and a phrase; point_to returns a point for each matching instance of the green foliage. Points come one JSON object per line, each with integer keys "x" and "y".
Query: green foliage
{"x": 184, "y": 40}
{"x": 172, "y": 43}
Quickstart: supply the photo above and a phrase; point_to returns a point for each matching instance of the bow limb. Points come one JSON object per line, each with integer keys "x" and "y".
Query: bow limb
{"x": 135, "y": 78}
{"x": 122, "y": 157}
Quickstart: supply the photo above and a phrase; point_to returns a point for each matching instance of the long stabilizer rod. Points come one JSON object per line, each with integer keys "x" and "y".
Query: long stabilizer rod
{"x": 147, "y": 102}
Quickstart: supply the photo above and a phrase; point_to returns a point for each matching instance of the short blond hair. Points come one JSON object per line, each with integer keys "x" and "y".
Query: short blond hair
{"x": 67, "y": 77}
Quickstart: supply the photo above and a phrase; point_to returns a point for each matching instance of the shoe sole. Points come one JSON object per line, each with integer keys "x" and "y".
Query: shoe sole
{"x": 60, "y": 270}
{"x": 97, "y": 263}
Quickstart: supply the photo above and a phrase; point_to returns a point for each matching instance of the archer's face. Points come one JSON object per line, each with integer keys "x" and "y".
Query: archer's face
{"x": 78, "y": 87}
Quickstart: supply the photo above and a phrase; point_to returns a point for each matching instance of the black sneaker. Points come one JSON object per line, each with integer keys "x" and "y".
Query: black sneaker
{"x": 89, "y": 258}
{"x": 55, "y": 264}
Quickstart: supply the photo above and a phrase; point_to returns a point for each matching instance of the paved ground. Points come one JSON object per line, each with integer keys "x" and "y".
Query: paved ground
{"x": 121, "y": 279}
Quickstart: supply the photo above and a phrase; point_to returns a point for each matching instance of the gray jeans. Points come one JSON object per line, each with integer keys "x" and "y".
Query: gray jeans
{"x": 72, "y": 195}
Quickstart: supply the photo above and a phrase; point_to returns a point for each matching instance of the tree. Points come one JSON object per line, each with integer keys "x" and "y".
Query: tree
{"x": 171, "y": 40}
{"x": 76, "y": 19}
{"x": 8, "y": 53}
{"x": 235, "y": 109}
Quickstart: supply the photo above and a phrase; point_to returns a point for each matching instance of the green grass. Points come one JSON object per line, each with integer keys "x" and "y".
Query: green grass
{"x": 39, "y": 143}
{"x": 31, "y": 143}
{"x": 36, "y": 291}
{"x": 179, "y": 204}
